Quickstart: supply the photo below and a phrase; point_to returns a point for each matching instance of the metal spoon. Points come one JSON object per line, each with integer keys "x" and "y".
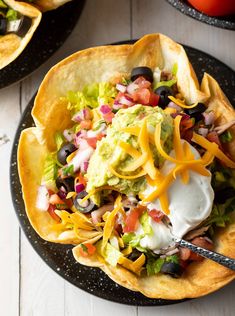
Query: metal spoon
{"x": 223, "y": 260}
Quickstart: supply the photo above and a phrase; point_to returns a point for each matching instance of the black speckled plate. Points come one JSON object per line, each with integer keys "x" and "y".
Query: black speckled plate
{"x": 59, "y": 257}
{"x": 54, "y": 28}
{"x": 224, "y": 22}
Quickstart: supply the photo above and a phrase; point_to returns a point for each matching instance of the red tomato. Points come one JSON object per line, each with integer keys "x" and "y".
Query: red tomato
{"x": 142, "y": 82}
{"x": 156, "y": 215}
{"x": 132, "y": 220}
{"x": 87, "y": 124}
{"x": 82, "y": 179}
{"x": 92, "y": 141}
{"x": 87, "y": 249}
{"x": 200, "y": 242}
{"x": 55, "y": 199}
{"x": 142, "y": 96}
{"x": 51, "y": 211}
{"x": 154, "y": 99}
{"x": 108, "y": 117}
{"x": 214, "y": 7}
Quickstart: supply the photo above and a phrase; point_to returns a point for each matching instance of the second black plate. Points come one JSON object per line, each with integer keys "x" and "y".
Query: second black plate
{"x": 59, "y": 257}
{"x": 54, "y": 28}
{"x": 224, "y": 22}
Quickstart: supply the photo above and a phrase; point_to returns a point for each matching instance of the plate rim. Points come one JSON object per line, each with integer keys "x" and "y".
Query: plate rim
{"x": 14, "y": 169}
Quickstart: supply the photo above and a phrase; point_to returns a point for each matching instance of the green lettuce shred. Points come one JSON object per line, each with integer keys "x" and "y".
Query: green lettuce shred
{"x": 2, "y": 5}
{"x": 91, "y": 96}
{"x": 11, "y": 15}
{"x": 154, "y": 266}
{"x": 59, "y": 140}
{"x": 50, "y": 171}
{"x": 145, "y": 222}
{"x": 174, "y": 69}
{"x": 168, "y": 83}
{"x": 226, "y": 137}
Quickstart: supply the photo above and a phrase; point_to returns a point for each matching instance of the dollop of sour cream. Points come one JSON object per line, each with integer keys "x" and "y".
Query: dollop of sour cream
{"x": 189, "y": 205}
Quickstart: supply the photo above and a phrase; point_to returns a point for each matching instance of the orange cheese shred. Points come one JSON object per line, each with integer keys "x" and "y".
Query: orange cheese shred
{"x": 138, "y": 175}
{"x": 181, "y": 104}
{"x": 213, "y": 148}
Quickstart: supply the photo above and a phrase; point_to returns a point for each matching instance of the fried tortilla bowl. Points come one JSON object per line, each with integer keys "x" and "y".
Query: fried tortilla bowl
{"x": 46, "y": 5}
{"x": 111, "y": 63}
{"x": 11, "y": 45}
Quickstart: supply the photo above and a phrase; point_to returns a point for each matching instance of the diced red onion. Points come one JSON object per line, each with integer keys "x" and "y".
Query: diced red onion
{"x": 126, "y": 101}
{"x": 79, "y": 187}
{"x": 68, "y": 135}
{"x": 81, "y": 156}
{"x": 120, "y": 87}
{"x": 174, "y": 106}
{"x": 86, "y": 114}
{"x": 42, "y": 202}
{"x": 104, "y": 109}
{"x": 117, "y": 105}
{"x": 132, "y": 87}
{"x": 209, "y": 117}
{"x": 203, "y": 131}
{"x": 172, "y": 252}
{"x": 62, "y": 193}
{"x": 85, "y": 165}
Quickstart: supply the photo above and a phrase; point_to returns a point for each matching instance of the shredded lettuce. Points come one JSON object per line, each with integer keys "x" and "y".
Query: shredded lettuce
{"x": 68, "y": 170}
{"x": 174, "y": 69}
{"x": 110, "y": 253}
{"x": 91, "y": 96}
{"x": 145, "y": 222}
{"x": 59, "y": 139}
{"x": 2, "y": 5}
{"x": 168, "y": 83}
{"x": 132, "y": 239}
{"x": 50, "y": 171}
{"x": 153, "y": 265}
{"x": 11, "y": 15}
{"x": 125, "y": 81}
{"x": 173, "y": 258}
{"x": 226, "y": 137}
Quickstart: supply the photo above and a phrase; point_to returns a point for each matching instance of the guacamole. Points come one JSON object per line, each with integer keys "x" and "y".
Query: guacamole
{"x": 108, "y": 152}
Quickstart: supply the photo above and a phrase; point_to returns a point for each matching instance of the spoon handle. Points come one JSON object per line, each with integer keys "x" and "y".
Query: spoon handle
{"x": 223, "y": 260}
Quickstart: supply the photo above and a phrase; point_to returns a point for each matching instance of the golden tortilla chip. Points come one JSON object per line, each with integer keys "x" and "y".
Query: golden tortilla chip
{"x": 11, "y": 45}
{"x": 46, "y": 5}
{"x": 110, "y": 63}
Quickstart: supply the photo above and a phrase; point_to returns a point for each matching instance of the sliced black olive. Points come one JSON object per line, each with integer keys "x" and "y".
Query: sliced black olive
{"x": 64, "y": 152}
{"x": 135, "y": 254}
{"x": 222, "y": 195}
{"x": 3, "y": 25}
{"x": 164, "y": 92}
{"x": 172, "y": 268}
{"x": 20, "y": 26}
{"x": 85, "y": 207}
{"x": 67, "y": 183}
{"x": 197, "y": 111}
{"x": 145, "y": 72}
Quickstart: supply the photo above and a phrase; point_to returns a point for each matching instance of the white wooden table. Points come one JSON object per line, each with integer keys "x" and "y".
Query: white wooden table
{"x": 27, "y": 285}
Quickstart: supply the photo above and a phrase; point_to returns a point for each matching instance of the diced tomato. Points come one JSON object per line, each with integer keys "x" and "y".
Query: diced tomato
{"x": 142, "y": 96}
{"x": 50, "y": 192}
{"x": 214, "y": 138}
{"x": 86, "y": 124}
{"x": 156, "y": 215}
{"x": 51, "y": 211}
{"x": 186, "y": 124}
{"x": 200, "y": 242}
{"x": 87, "y": 249}
{"x": 184, "y": 253}
{"x": 108, "y": 117}
{"x": 154, "y": 99}
{"x": 55, "y": 199}
{"x": 91, "y": 141}
{"x": 132, "y": 220}
{"x": 142, "y": 82}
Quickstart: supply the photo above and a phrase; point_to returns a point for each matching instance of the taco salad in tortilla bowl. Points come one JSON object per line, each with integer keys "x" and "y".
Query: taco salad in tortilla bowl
{"x": 128, "y": 150}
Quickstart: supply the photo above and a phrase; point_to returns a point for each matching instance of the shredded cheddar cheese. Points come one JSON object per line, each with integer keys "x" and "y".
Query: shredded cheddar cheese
{"x": 181, "y": 103}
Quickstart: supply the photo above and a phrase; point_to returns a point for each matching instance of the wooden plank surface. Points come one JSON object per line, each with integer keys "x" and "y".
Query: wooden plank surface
{"x": 27, "y": 285}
